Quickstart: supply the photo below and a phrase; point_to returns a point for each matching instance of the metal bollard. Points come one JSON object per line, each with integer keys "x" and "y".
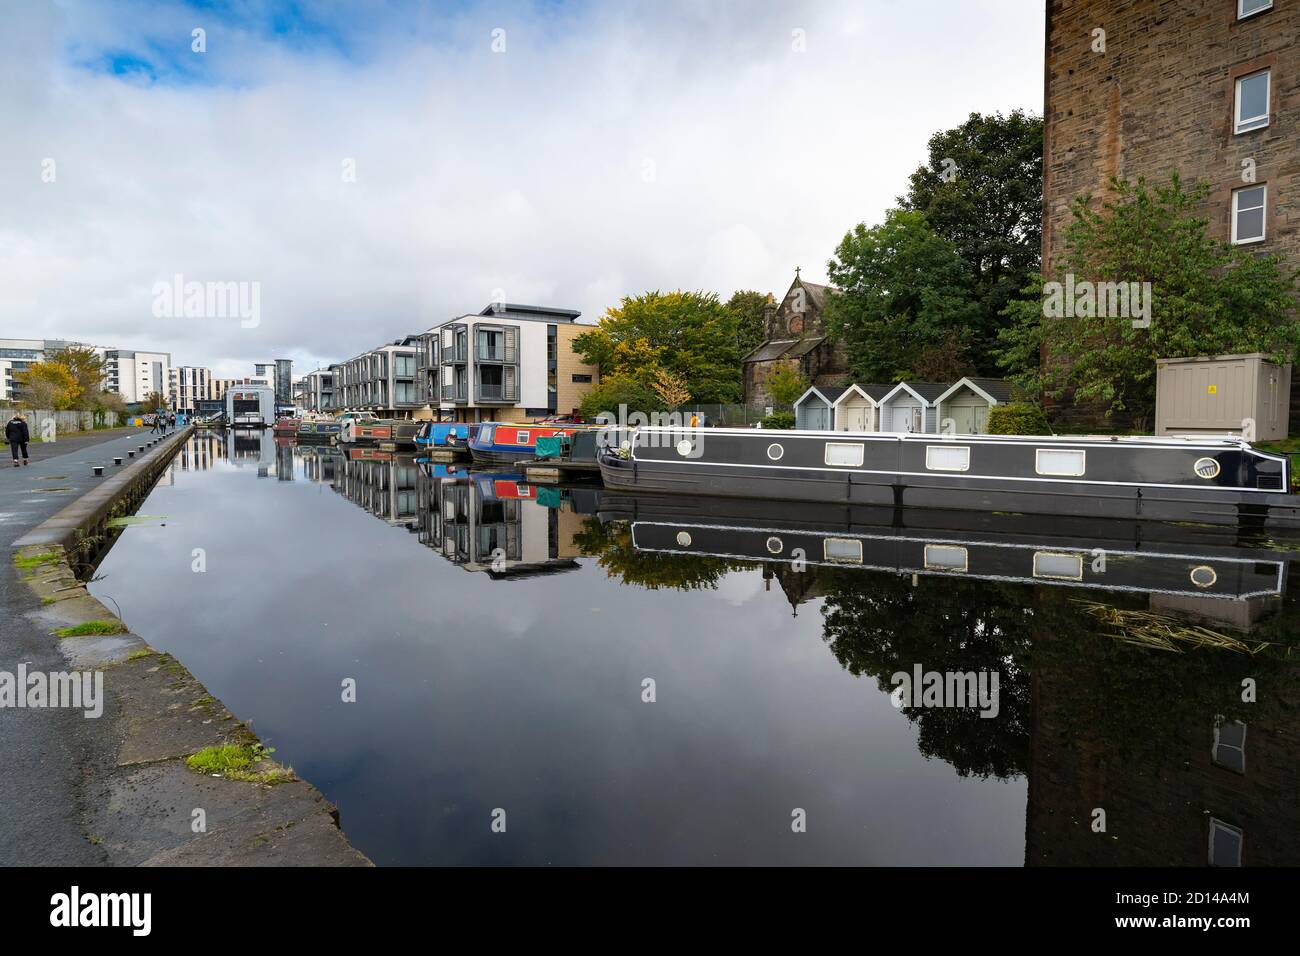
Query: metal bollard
{"x": 130, "y": 454}
{"x": 97, "y": 471}
{"x": 117, "y": 461}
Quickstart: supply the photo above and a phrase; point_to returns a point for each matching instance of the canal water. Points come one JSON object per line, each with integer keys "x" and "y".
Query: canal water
{"x": 559, "y": 677}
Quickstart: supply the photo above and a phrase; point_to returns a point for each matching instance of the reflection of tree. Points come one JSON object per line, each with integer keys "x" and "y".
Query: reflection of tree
{"x": 611, "y": 545}
{"x": 878, "y": 625}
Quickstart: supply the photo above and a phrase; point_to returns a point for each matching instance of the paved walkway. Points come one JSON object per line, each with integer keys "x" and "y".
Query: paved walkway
{"x": 43, "y": 752}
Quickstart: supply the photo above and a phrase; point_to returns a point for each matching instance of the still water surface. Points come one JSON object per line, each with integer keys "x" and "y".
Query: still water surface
{"x": 501, "y": 636}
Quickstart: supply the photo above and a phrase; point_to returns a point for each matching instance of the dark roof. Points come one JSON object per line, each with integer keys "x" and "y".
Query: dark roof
{"x": 828, "y": 392}
{"x": 927, "y": 390}
{"x": 512, "y": 310}
{"x": 877, "y": 392}
{"x": 815, "y": 292}
{"x": 770, "y": 350}
{"x": 999, "y": 389}
{"x": 804, "y": 346}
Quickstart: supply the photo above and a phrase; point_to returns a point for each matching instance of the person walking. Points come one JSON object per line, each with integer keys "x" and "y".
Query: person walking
{"x": 17, "y": 435}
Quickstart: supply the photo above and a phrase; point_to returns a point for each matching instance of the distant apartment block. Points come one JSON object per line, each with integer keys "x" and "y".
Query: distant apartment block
{"x": 318, "y": 390}
{"x": 135, "y": 375}
{"x": 507, "y": 363}
{"x": 17, "y": 355}
{"x": 191, "y": 385}
{"x": 381, "y": 381}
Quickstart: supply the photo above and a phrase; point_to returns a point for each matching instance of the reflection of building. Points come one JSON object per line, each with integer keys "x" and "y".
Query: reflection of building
{"x": 494, "y": 523}
{"x": 382, "y": 483}
{"x": 200, "y": 451}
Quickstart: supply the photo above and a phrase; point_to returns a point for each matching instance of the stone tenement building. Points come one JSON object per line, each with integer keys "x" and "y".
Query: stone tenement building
{"x": 1206, "y": 88}
{"x": 794, "y": 333}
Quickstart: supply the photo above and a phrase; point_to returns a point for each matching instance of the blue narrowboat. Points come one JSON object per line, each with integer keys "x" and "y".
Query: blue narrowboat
{"x": 442, "y": 434}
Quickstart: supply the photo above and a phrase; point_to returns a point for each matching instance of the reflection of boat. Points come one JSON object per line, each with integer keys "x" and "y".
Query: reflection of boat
{"x": 442, "y": 434}
{"x": 1109, "y": 555}
{"x": 1159, "y": 479}
{"x": 500, "y": 443}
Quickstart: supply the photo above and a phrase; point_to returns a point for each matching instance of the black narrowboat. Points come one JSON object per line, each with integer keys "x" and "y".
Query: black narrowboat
{"x": 1206, "y": 479}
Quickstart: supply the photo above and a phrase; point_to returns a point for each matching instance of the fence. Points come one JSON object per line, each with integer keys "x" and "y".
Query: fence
{"x": 59, "y": 422}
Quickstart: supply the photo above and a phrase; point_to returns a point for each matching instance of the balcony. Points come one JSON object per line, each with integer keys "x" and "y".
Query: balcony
{"x": 488, "y": 393}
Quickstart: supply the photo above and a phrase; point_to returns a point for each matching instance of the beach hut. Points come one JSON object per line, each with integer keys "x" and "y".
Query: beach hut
{"x": 857, "y": 408}
{"x": 911, "y": 407}
{"x": 813, "y": 410}
{"x": 966, "y": 405}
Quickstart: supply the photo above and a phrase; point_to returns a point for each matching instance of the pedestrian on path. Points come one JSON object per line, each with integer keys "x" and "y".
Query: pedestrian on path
{"x": 17, "y": 435}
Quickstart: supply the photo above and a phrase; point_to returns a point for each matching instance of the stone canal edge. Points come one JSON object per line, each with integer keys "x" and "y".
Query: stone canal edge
{"x": 146, "y": 806}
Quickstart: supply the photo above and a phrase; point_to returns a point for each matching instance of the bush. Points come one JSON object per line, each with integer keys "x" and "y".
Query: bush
{"x": 1017, "y": 419}
{"x": 779, "y": 420}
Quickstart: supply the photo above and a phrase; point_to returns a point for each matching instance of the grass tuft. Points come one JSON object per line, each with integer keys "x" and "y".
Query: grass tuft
{"x": 88, "y": 628}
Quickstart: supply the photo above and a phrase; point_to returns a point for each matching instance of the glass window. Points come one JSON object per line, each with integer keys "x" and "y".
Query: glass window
{"x": 1248, "y": 214}
{"x": 1225, "y": 844}
{"x": 1248, "y": 8}
{"x": 847, "y": 550}
{"x": 945, "y": 557}
{"x": 1063, "y": 464}
{"x": 844, "y": 454}
{"x": 1252, "y": 102}
{"x": 947, "y": 458}
{"x": 1061, "y": 567}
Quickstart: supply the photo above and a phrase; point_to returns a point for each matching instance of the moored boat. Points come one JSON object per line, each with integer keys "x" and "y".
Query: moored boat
{"x": 502, "y": 443}
{"x": 442, "y": 434}
{"x": 1199, "y": 478}
{"x": 318, "y": 430}
{"x": 379, "y": 431}
{"x": 286, "y": 426}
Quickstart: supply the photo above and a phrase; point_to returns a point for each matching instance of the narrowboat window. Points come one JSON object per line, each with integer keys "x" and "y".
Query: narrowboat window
{"x": 1060, "y": 463}
{"x": 844, "y": 454}
{"x": 775, "y": 451}
{"x": 1225, "y": 844}
{"x": 684, "y": 538}
{"x": 1204, "y": 576}
{"x": 775, "y": 545}
{"x": 845, "y": 550}
{"x": 1061, "y": 567}
{"x": 1230, "y": 744}
{"x": 521, "y": 438}
{"x": 947, "y": 458}
{"x": 945, "y": 557}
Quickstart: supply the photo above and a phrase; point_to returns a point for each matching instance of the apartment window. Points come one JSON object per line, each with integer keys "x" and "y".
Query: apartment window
{"x": 491, "y": 345}
{"x": 1252, "y": 102}
{"x": 404, "y": 365}
{"x": 1248, "y": 214}
{"x": 1230, "y": 745}
{"x": 579, "y": 379}
{"x": 1248, "y": 8}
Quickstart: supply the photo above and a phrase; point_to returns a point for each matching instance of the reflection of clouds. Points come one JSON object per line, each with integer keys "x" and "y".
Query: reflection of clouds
{"x": 475, "y": 693}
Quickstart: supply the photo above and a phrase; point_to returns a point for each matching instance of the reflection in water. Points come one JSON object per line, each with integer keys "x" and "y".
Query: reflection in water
{"x": 1147, "y": 707}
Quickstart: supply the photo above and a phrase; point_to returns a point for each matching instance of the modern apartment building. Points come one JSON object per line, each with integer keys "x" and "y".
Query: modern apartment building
{"x": 381, "y": 382}
{"x": 318, "y": 390}
{"x": 507, "y": 363}
{"x": 1205, "y": 88}
{"x": 136, "y": 375}
{"x": 190, "y": 385}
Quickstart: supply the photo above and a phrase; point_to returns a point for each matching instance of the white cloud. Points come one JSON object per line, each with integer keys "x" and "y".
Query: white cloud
{"x": 524, "y": 171}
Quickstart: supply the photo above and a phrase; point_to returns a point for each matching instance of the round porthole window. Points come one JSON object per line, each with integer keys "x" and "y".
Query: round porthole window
{"x": 1204, "y": 576}
{"x": 775, "y": 545}
{"x": 775, "y": 451}
{"x": 684, "y": 448}
{"x": 1206, "y": 468}
{"x": 684, "y": 538}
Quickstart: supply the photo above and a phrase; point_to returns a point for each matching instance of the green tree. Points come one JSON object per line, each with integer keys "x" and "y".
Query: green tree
{"x": 689, "y": 334}
{"x": 88, "y": 370}
{"x": 902, "y": 295}
{"x": 1206, "y": 297}
{"x": 747, "y": 309}
{"x": 982, "y": 190}
{"x": 786, "y": 383}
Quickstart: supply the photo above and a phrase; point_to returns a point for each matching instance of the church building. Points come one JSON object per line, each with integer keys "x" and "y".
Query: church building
{"x": 794, "y": 333}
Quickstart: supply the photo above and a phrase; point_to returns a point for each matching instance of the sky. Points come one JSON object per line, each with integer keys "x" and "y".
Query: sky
{"x": 370, "y": 169}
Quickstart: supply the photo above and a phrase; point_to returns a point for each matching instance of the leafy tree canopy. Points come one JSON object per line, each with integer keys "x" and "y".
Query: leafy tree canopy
{"x": 982, "y": 191}
{"x": 902, "y": 298}
{"x": 747, "y": 309}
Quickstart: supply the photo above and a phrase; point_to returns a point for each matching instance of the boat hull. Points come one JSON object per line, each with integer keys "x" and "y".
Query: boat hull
{"x": 1128, "y": 480}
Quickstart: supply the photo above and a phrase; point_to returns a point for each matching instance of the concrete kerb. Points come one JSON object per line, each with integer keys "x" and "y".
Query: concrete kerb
{"x": 161, "y": 714}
